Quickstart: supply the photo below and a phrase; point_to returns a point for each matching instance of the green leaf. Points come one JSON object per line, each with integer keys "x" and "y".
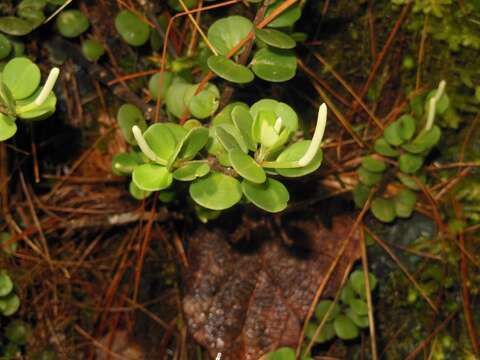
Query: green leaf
{"x": 246, "y": 167}
{"x": 9, "y": 305}
{"x": 216, "y": 191}
{"x": 72, "y": 23}
{"x": 323, "y": 307}
{"x": 284, "y": 353}
{"x": 295, "y": 152}
{"x": 205, "y": 215}
{"x": 360, "y": 320}
{"x": 190, "y": 145}
{"x": 17, "y": 332}
{"x": 128, "y": 116}
{"x": 175, "y": 98}
{"x": 383, "y": 209}
{"x": 405, "y": 202}
{"x": 326, "y": 334}
{"x": 124, "y": 163}
{"x": 7, "y": 102}
{"x": 274, "y": 65}
{"x": 225, "y": 116}
{"x": 357, "y": 282}
{"x": 165, "y": 79}
{"x": 8, "y": 128}
{"x": 230, "y": 138}
{"x": 360, "y": 195}
{"x": 359, "y": 306}
{"x": 384, "y": 148}
{"x": 424, "y": 141}
{"x": 393, "y": 134}
{"x": 191, "y": 171}
{"x": 226, "y": 33}
{"x": 409, "y": 182}
{"x": 178, "y": 131}
{"x": 367, "y": 177}
{"x": 285, "y": 112}
{"x": 152, "y": 177}
{"x": 442, "y": 104}
{"x": 243, "y": 122}
{"x": 407, "y": 126}
{"x": 204, "y": 103}
{"x": 263, "y": 130}
{"x": 275, "y": 38}
{"x": 138, "y": 193}
{"x": 161, "y": 140}
{"x": 373, "y": 164}
{"x": 131, "y": 28}
{"x": 6, "y": 284}
{"x": 229, "y": 70}
{"x": 345, "y": 328}
{"x": 15, "y": 26}
{"x": 347, "y": 294}
{"x": 286, "y": 18}
{"x": 409, "y": 163}
{"x": 22, "y": 77}
{"x": 271, "y": 196}
{"x": 38, "y": 112}
{"x": 92, "y": 50}
{"x": 5, "y": 46}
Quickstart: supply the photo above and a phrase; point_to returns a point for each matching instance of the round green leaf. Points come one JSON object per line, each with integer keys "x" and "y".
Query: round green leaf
{"x": 326, "y": 334}
{"x": 275, "y": 38}
{"x": 424, "y": 141}
{"x": 367, "y": 177}
{"x": 274, "y": 65}
{"x": 357, "y": 282}
{"x": 124, "y": 163}
{"x": 284, "y": 353}
{"x": 226, "y": 33}
{"x": 175, "y": 98}
{"x": 407, "y": 126}
{"x": 229, "y": 137}
{"x": 92, "y": 50}
{"x": 191, "y": 171}
{"x": 405, "y": 202}
{"x": 165, "y": 80}
{"x": 347, "y": 294}
{"x": 5, "y": 46}
{"x": 246, "y": 167}
{"x": 373, "y": 164}
{"x": 284, "y": 111}
{"x": 152, "y": 177}
{"x": 161, "y": 140}
{"x": 286, "y": 18}
{"x": 229, "y": 70}
{"x": 323, "y": 307}
{"x": 383, "y": 209}
{"x": 132, "y": 30}
{"x": 129, "y": 115}
{"x": 72, "y": 23}
{"x": 8, "y": 128}
{"x": 16, "y": 26}
{"x": 384, "y": 148}
{"x": 360, "y": 194}
{"x": 409, "y": 182}
{"x": 203, "y": 104}
{"x": 17, "y": 332}
{"x": 360, "y": 320}
{"x": 442, "y": 104}
{"x": 175, "y": 4}
{"x": 6, "y": 284}
{"x": 409, "y": 163}
{"x": 216, "y": 191}
{"x": 190, "y": 145}
{"x": 9, "y": 305}
{"x": 136, "y": 192}
{"x": 7, "y": 102}
{"x": 271, "y": 196}
{"x": 295, "y": 152}
{"x": 39, "y": 112}
{"x": 225, "y": 115}
{"x": 393, "y": 134}
{"x": 359, "y": 306}
{"x": 243, "y": 122}
{"x": 345, "y": 328}
{"x": 22, "y": 77}
{"x": 192, "y": 124}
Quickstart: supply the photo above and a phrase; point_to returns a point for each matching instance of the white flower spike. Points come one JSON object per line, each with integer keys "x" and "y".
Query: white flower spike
{"x": 433, "y": 104}
{"x": 142, "y": 143}
{"x": 49, "y": 84}
{"x": 317, "y": 137}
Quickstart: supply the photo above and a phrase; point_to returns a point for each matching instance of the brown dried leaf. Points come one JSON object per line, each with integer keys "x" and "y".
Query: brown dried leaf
{"x": 245, "y": 303}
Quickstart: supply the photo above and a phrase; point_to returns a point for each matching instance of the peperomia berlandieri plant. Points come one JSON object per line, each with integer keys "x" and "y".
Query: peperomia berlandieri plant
{"x": 22, "y": 97}
{"x": 237, "y": 157}
{"x": 399, "y": 158}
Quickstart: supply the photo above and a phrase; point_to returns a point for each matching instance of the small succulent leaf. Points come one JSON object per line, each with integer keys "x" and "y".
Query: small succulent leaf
{"x": 323, "y": 307}
{"x": 393, "y": 134}
{"x": 326, "y": 334}
{"x": 72, "y": 23}
{"x": 407, "y": 126}
{"x": 137, "y": 193}
{"x": 226, "y": 33}
{"x": 360, "y": 320}
{"x": 243, "y": 121}
{"x": 174, "y": 98}
{"x": 92, "y": 50}
{"x": 274, "y": 65}
{"x": 152, "y": 177}
{"x": 39, "y": 112}
{"x": 295, "y": 152}
{"x": 124, "y": 163}
{"x": 275, "y": 38}
{"x": 22, "y": 77}
{"x": 8, "y": 127}
{"x": 367, "y": 177}
{"x": 286, "y": 18}
{"x": 161, "y": 140}
{"x": 225, "y": 115}
{"x": 191, "y": 171}
{"x": 246, "y": 167}
{"x": 16, "y": 26}
{"x": 284, "y": 353}
{"x": 384, "y": 148}
{"x": 383, "y": 209}
{"x": 360, "y": 194}
{"x": 190, "y": 145}
{"x": 410, "y": 163}
{"x": 359, "y": 306}
{"x": 405, "y": 202}
{"x": 158, "y": 85}
{"x": 131, "y": 28}
{"x": 357, "y": 282}
{"x": 373, "y": 164}
{"x": 7, "y": 102}
{"x": 424, "y": 141}
{"x": 6, "y": 284}
{"x": 271, "y": 196}
{"x": 128, "y": 116}
{"x": 345, "y": 328}
{"x": 230, "y": 138}
{"x": 216, "y": 191}
{"x": 409, "y": 181}
{"x": 284, "y": 111}
{"x": 229, "y": 70}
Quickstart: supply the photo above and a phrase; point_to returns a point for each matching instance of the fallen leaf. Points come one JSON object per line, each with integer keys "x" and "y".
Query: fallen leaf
{"x": 244, "y": 302}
